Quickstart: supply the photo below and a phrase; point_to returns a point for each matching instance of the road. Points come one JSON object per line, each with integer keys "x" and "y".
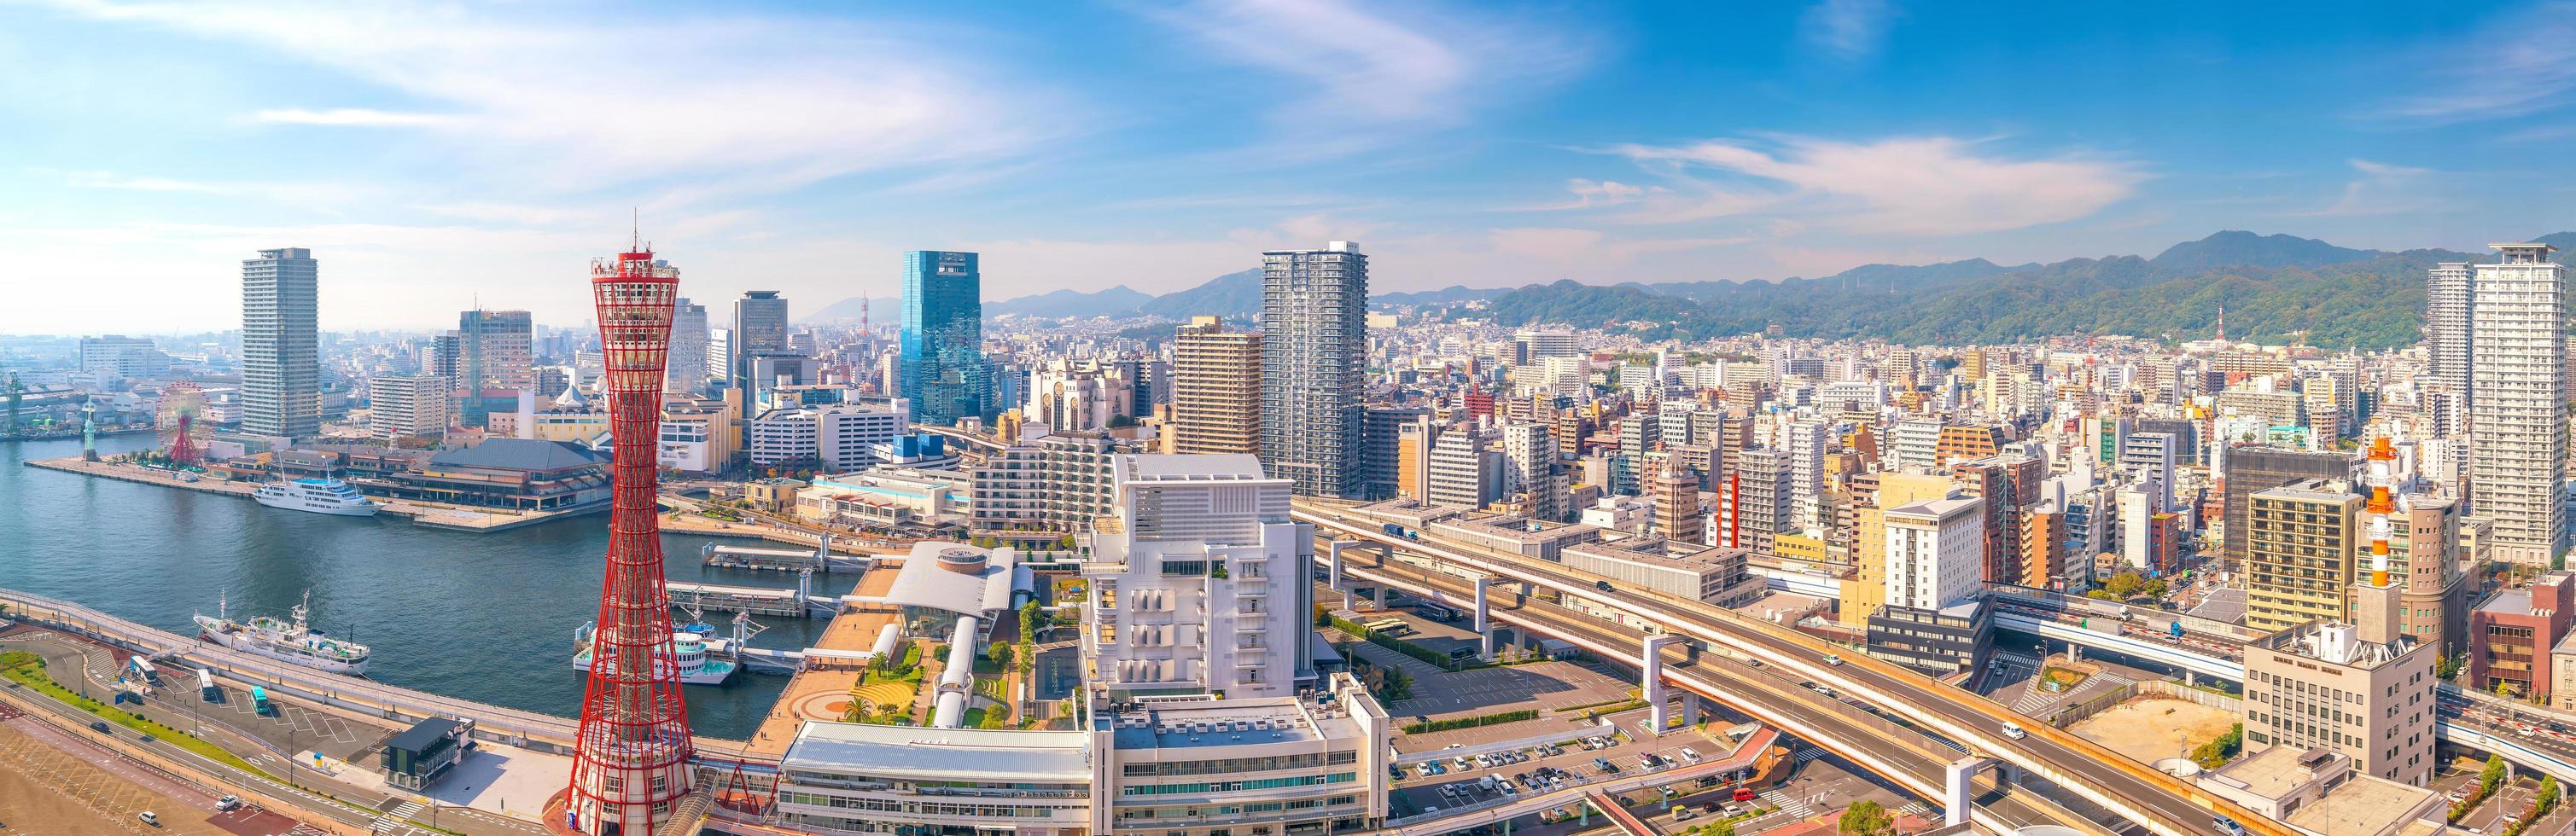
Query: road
{"x": 2159, "y": 801}
{"x": 1914, "y": 760}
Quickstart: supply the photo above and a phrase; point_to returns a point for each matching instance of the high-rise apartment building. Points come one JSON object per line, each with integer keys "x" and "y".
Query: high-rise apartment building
{"x": 1039, "y": 490}
{"x": 1936, "y": 552}
{"x": 1380, "y": 430}
{"x": 412, "y": 406}
{"x": 1216, "y": 389}
{"x": 944, "y": 372}
{"x": 1314, "y": 347}
{"x": 2518, "y": 398}
{"x": 281, "y": 393}
{"x": 688, "y": 372}
{"x": 2449, "y": 292}
{"x": 1753, "y": 501}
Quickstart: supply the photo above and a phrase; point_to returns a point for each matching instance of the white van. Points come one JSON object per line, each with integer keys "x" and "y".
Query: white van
{"x": 2013, "y": 730}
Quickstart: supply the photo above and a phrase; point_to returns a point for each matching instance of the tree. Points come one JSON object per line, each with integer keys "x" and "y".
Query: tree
{"x": 2125, "y": 585}
{"x": 2491, "y": 776}
{"x": 2548, "y": 798}
{"x": 1001, "y": 654}
{"x": 1866, "y": 818}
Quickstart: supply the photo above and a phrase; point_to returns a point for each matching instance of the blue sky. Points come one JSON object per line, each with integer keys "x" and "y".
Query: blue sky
{"x": 436, "y": 155}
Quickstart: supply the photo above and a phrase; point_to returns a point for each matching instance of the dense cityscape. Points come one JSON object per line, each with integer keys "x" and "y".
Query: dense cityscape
{"x": 1743, "y": 498}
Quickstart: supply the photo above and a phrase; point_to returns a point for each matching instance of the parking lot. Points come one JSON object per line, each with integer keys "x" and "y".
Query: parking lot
{"x": 1448, "y": 783}
{"x": 177, "y": 703}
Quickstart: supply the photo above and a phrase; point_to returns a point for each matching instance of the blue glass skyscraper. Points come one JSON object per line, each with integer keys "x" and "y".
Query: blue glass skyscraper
{"x": 943, "y": 372}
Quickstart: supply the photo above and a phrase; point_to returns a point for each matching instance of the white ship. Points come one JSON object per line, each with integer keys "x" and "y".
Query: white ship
{"x": 320, "y": 496}
{"x": 291, "y": 643}
{"x": 688, "y": 649}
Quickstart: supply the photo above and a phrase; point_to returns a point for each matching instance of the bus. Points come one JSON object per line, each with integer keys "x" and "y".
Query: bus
{"x": 1388, "y": 627}
{"x": 259, "y": 701}
{"x": 206, "y": 689}
{"x": 143, "y": 670}
{"x": 1436, "y": 612}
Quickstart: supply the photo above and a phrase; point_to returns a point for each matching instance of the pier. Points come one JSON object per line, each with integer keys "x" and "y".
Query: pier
{"x": 820, "y": 559}
{"x": 757, "y": 600}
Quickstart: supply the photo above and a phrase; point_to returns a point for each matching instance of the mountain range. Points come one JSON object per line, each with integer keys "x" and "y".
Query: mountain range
{"x": 2275, "y": 288}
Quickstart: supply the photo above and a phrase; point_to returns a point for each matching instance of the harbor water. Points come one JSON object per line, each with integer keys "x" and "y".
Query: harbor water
{"x": 479, "y": 616}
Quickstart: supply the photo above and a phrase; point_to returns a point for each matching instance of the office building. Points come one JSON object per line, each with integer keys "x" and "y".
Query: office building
{"x": 281, "y": 391}
{"x": 1380, "y": 429}
{"x": 689, "y": 346}
{"x": 496, "y": 351}
{"x": 2258, "y": 468}
{"x": 1537, "y": 344}
{"x": 1935, "y": 552}
{"x": 1216, "y": 389}
{"x": 1314, "y": 346}
{"x": 407, "y": 407}
{"x": 2301, "y": 541}
{"x": 943, "y": 369}
{"x": 2324, "y": 685}
{"x": 2518, "y": 397}
{"x": 2511, "y": 635}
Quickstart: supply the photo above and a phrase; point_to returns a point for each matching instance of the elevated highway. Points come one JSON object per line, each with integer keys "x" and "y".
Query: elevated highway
{"x": 1905, "y": 756}
{"x": 2160, "y": 802}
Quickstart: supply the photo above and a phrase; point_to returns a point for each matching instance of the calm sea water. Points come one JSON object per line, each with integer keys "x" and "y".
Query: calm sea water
{"x": 485, "y": 617}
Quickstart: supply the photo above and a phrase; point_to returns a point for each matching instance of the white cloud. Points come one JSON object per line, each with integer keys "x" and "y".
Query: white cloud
{"x": 1848, "y": 29}
{"x": 1591, "y": 194}
{"x": 2518, "y": 65}
{"x": 1375, "y": 65}
{"x": 578, "y": 99}
{"x": 2381, "y": 189}
{"x": 350, "y": 117}
{"x": 1903, "y": 186}
{"x": 113, "y": 180}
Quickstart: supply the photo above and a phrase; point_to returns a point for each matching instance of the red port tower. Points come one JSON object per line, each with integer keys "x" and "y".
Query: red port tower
{"x": 632, "y": 767}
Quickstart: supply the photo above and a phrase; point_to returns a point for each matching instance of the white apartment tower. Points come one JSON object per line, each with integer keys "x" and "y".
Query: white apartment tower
{"x": 2518, "y": 401}
{"x": 2448, "y": 292}
{"x": 1198, "y": 580}
{"x": 1464, "y": 473}
{"x": 281, "y": 393}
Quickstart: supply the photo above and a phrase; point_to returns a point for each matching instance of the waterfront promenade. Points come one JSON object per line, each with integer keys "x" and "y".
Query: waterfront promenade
{"x": 428, "y": 514}
{"x": 542, "y": 732}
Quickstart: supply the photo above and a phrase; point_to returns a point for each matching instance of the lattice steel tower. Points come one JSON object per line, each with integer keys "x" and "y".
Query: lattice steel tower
{"x": 632, "y": 766}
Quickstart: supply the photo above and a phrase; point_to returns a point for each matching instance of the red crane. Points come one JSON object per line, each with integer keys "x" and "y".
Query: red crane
{"x": 631, "y": 767}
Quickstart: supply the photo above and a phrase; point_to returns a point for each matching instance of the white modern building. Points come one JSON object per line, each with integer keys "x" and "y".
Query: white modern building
{"x": 2518, "y": 398}
{"x": 1935, "y": 552}
{"x": 1198, "y": 581}
{"x": 1314, "y": 349}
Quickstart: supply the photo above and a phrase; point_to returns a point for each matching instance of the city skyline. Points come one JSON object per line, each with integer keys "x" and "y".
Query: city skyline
{"x": 1485, "y": 150}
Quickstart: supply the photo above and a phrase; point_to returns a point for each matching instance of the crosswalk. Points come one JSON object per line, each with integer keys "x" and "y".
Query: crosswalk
{"x": 398, "y": 818}
{"x": 1808, "y": 753}
{"x": 1796, "y": 808}
{"x": 302, "y": 829}
{"x": 1916, "y": 809}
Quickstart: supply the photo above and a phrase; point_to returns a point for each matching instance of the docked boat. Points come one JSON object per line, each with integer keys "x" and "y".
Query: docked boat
{"x": 320, "y": 496}
{"x": 689, "y": 650}
{"x": 294, "y": 643}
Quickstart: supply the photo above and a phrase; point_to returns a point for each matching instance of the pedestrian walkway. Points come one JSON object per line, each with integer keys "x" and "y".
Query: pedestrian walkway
{"x": 398, "y": 819}
{"x": 1796, "y": 808}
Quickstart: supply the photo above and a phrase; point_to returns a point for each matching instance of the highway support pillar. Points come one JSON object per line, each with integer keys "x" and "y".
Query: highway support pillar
{"x": 1333, "y": 572}
{"x": 1658, "y": 706}
{"x": 1690, "y": 709}
{"x": 1484, "y": 620}
{"x": 1960, "y": 780}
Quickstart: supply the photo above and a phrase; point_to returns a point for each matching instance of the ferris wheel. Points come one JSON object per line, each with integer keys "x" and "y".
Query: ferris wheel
{"x": 176, "y": 420}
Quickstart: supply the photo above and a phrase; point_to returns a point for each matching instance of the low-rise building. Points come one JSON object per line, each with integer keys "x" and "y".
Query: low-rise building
{"x": 1713, "y": 574}
{"x": 2513, "y": 631}
{"x": 511, "y": 473}
{"x": 2326, "y": 685}
{"x": 2317, "y": 791}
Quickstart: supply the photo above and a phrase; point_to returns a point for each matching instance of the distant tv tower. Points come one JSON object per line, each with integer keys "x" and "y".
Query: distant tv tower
{"x": 631, "y": 760}
{"x": 2222, "y": 323}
